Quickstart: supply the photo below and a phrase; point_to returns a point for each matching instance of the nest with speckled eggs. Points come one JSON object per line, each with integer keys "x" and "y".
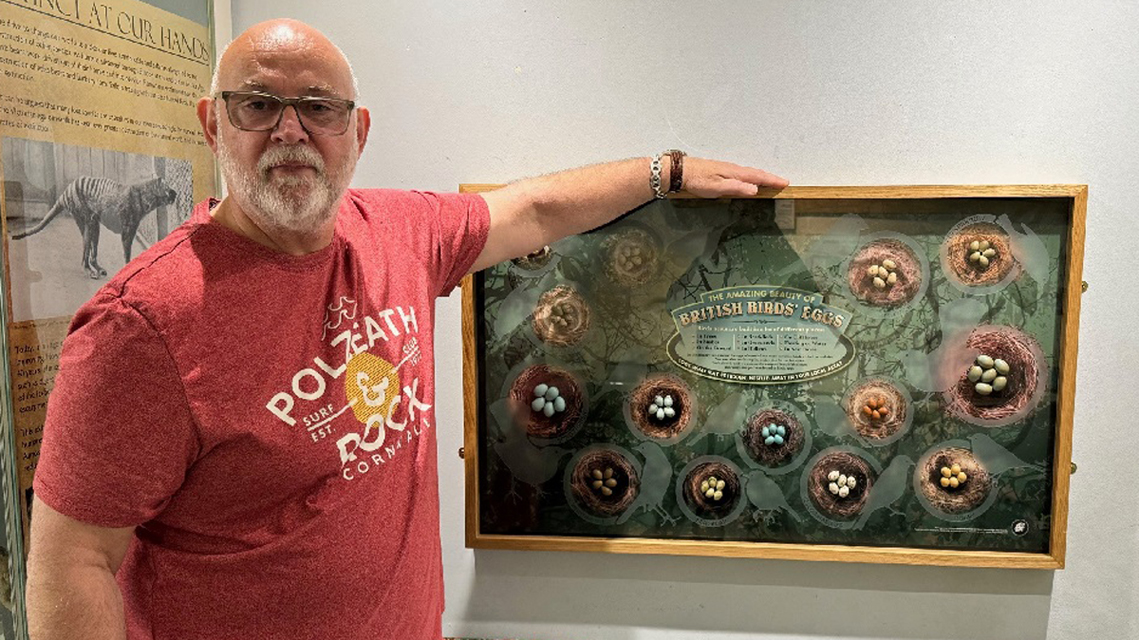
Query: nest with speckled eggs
{"x": 972, "y": 272}
{"x": 632, "y": 257}
{"x": 596, "y": 494}
{"x": 644, "y": 396}
{"x": 561, "y": 317}
{"x": 907, "y": 272}
{"x": 847, "y": 464}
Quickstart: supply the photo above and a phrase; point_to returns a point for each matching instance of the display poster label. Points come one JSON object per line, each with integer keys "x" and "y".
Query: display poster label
{"x": 101, "y": 155}
{"x": 761, "y": 335}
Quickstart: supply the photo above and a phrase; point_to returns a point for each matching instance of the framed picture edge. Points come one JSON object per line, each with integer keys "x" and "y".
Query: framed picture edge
{"x": 1054, "y": 558}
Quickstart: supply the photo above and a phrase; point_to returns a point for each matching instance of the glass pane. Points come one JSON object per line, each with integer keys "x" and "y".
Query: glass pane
{"x": 800, "y": 371}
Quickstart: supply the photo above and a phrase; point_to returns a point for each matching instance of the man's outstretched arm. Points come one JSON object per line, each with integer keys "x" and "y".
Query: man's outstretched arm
{"x": 528, "y": 214}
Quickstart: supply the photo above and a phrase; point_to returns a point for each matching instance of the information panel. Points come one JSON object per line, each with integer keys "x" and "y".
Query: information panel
{"x": 101, "y": 155}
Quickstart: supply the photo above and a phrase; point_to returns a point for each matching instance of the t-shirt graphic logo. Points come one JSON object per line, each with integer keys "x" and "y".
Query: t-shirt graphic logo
{"x": 372, "y": 386}
{"x": 343, "y": 309}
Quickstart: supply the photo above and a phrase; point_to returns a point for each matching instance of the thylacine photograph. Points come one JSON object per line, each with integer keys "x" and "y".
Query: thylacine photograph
{"x": 76, "y": 215}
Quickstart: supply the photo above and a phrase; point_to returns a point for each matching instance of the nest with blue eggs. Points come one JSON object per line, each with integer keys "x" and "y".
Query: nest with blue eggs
{"x": 772, "y": 437}
{"x": 546, "y": 400}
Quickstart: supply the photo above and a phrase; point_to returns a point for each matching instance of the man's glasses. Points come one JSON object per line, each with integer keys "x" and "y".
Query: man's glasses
{"x": 257, "y": 111}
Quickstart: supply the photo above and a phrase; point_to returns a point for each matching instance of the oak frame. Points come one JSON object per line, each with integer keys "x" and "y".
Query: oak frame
{"x": 1062, "y": 457}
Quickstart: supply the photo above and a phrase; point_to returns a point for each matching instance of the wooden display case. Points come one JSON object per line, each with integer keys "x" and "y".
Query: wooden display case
{"x": 918, "y": 342}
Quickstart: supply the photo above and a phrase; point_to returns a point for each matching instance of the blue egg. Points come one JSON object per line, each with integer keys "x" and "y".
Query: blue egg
{"x": 778, "y": 439}
{"x": 769, "y": 440}
{"x": 766, "y": 432}
{"x": 781, "y": 431}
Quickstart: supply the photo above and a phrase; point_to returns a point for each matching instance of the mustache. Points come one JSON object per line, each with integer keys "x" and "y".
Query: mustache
{"x": 292, "y": 155}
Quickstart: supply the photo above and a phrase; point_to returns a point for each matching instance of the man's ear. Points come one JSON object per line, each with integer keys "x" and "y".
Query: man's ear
{"x": 207, "y": 116}
{"x": 363, "y": 124}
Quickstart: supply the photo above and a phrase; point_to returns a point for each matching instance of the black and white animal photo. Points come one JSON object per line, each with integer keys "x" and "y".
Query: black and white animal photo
{"x": 94, "y": 202}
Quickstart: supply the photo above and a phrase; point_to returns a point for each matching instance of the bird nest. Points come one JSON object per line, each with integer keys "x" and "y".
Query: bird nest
{"x": 705, "y": 506}
{"x": 769, "y": 455}
{"x": 846, "y": 464}
{"x": 632, "y": 257}
{"x": 592, "y": 498}
{"x": 960, "y": 499}
{"x": 643, "y": 397}
{"x": 535, "y": 260}
{"x": 537, "y": 423}
{"x": 971, "y": 273}
{"x": 908, "y": 270}
{"x": 561, "y": 317}
{"x": 877, "y": 409}
{"x": 1023, "y": 357}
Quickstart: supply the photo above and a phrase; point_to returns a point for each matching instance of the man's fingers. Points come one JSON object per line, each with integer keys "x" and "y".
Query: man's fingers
{"x": 714, "y": 179}
{"x": 761, "y": 178}
{"x": 740, "y": 188}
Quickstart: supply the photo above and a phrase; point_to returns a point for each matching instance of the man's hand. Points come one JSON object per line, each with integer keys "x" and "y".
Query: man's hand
{"x": 715, "y": 179}
{"x": 526, "y": 215}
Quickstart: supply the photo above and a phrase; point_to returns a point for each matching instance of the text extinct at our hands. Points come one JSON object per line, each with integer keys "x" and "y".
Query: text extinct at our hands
{"x": 110, "y": 19}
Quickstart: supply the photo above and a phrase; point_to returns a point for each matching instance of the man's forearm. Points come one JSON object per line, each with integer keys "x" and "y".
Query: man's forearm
{"x": 530, "y": 213}
{"x": 561, "y": 204}
{"x": 73, "y": 603}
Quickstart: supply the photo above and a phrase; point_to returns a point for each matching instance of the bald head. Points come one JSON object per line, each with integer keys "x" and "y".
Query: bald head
{"x": 288, "y": 43}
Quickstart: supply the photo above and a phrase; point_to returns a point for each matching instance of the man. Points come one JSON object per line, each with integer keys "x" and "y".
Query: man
{"x": 240, "y": 441}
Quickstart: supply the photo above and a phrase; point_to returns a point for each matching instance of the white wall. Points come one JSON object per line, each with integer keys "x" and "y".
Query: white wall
{"x": 825, "y": 92}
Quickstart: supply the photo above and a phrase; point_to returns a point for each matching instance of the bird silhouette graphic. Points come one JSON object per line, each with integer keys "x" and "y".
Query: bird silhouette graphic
{"x": 995, "y": 458}
{"x": 830, "y": 418}
{"x": 528, "y": 463}
{"x": 836, "y": 245}
{"x": 766, "y": 496}
{"x": 940, "y": 370}
{"x": 725, "y": 418}
{"x": 656, "y": 476}
{"x": 889, "y": 486}
{"x": 516, "y": 307}
{"x": 1029, "y": 251}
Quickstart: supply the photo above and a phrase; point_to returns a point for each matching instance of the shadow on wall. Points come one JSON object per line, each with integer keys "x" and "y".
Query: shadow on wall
{"x": 757, "y": 597}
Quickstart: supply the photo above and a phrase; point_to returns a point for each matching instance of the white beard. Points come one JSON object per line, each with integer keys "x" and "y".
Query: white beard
{"x": 291, "y": 203}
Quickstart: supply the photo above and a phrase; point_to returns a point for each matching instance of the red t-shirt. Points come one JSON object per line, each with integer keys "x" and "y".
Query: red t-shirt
{"x": 267, "y": 422}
